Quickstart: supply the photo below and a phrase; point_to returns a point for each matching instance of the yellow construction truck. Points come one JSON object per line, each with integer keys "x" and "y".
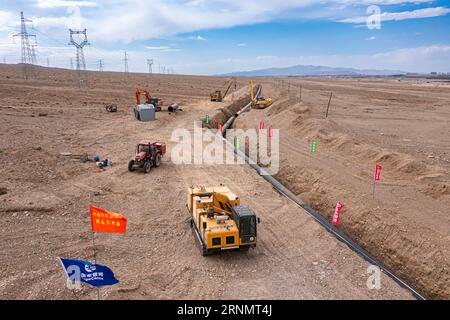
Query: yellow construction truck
{"x": 219, "y": 221}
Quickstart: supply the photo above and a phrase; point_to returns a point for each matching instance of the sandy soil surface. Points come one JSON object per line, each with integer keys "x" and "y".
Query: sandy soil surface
{"x": 45, "y": 197}
{"x": 401, "y": 124}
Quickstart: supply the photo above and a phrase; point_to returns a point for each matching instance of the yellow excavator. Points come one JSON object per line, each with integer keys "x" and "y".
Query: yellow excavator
{"x": 219, "y": 221}
{"x": 217, "y": 95}
{"x": 259, "y": 102}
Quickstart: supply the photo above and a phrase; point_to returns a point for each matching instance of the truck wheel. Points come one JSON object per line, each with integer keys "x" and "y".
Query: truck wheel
{"x": 147, "y": 167}
{"x": 131, "y": 165}
{"x": 158, "y": 160}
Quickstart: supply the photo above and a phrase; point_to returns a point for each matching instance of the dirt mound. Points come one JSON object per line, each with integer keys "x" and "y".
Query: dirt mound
{"x": 224, "y": 113}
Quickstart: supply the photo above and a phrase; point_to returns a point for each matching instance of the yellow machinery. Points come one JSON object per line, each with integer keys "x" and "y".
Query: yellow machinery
{"x": 259, "y": 102}
{"x": 219, "y": 221}
{"x": 217, "y": 95}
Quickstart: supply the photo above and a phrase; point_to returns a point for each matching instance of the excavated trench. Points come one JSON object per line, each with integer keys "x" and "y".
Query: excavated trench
{"x": 227, "y": 115}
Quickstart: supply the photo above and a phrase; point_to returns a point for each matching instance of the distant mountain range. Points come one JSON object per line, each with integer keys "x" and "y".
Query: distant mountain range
{"x": 302, "y": 70}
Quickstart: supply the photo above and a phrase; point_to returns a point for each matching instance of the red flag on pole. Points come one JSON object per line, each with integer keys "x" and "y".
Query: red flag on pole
{"x": 337, "y": 213}
{"x": 377, "y": 172}
{"x": 219, "y": 128}
{"x": 270, "y": 132}
{"x": 261, "y": 124}
{"x": 107, "y": 221}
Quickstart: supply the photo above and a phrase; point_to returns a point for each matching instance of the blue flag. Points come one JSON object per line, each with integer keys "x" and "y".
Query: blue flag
{"x": 96, "y": 275}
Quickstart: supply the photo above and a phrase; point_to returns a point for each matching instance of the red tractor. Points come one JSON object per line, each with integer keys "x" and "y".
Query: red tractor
{"x": 148, "y": 155}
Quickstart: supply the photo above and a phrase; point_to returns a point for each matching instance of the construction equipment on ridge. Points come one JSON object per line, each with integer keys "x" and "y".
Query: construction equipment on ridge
{"x": 259, "y": 102}
{"x": 220, "y": 221}
{"x": 148, "y": 155}
{"x": 217, "y": 96}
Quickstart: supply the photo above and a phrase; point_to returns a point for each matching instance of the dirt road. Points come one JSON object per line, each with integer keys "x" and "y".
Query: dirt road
{"x": 44, "y": 208}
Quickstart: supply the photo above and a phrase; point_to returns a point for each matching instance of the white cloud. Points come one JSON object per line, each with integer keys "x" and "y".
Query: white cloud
{"x": 129, "y": 20}
{"x": 162, "y": 48}
{"x": 64, "y": 3}
{"x": 7, "y": 21}
{"x": 199, "y": 38}
{"x": 404, "y": 15}
{"x": 371, "y": 38}
{"x": 168, "y": 18}
{"x": 241, "y": 44}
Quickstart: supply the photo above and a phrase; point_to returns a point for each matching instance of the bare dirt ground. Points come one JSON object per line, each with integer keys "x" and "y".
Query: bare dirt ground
{"x": 44, "y": 202}
{"x": 402, "y": 124}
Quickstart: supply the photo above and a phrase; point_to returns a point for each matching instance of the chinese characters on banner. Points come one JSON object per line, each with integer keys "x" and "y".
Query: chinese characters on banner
{"x": 106, "y": 221}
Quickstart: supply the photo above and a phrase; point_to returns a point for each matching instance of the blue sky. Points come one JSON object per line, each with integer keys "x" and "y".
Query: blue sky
{"x": 220, "y": 36}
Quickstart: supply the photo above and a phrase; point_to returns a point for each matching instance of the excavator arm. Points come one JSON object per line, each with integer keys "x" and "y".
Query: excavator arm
{"x": 230, "y": 83}
{"x": 221, "y": 204}
{"x": 147, "y": 95}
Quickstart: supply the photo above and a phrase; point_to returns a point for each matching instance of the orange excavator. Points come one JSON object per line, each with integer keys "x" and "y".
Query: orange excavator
{"x": 156, "y": 102}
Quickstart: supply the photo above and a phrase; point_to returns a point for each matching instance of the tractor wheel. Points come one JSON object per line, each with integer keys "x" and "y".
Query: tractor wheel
{"x": 158, "y": 160}
{"x": 147, "y": 167}
{"x": 131, "y": 165}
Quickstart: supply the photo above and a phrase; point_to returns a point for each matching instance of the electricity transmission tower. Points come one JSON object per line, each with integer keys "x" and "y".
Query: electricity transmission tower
{"x": 27, "y": 55}
{"x": 150, "y": 63}
{"x": 100, "y": 65}
{"x": 48, "y": 62}
{"x": 71, "y": 63}
{"x": 81, "y": 62}
{"x": 125, "y": 60}
{"x": 33, "y": 54}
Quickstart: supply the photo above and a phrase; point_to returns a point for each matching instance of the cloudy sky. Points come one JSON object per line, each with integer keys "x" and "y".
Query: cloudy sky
{"x": 219, "y": 36}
